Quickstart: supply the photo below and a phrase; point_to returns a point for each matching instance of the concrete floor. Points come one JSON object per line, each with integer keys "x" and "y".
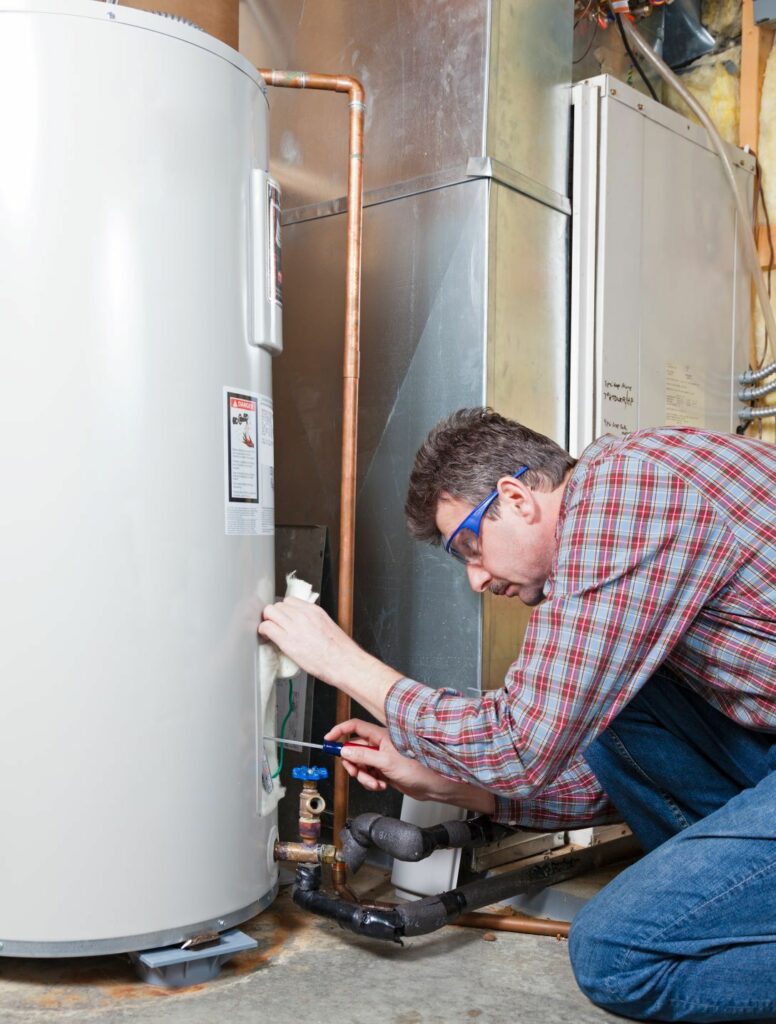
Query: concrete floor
{"x": 309, "y": 969}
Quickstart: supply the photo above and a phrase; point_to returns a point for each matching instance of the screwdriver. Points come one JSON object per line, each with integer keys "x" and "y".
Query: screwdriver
{"x": 328, "y": 746}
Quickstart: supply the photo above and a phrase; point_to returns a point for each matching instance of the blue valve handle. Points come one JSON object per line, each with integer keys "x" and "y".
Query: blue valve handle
{"x": 311, "y": 774}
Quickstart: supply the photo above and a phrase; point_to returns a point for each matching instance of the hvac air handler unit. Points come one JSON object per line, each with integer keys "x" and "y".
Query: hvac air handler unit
{"x": 140, "y": 296}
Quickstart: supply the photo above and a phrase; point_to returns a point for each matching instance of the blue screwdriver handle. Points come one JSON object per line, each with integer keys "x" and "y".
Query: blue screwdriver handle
{"x": 335, "y": 749}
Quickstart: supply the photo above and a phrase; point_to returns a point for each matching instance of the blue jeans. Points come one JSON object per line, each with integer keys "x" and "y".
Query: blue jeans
{"x": 688, "y": 933}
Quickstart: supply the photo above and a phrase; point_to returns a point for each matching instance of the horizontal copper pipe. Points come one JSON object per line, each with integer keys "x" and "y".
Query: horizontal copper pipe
{"x": 305, "y": 853}
{"x": 350, "y": 373}
{"x": 525, "y": 925}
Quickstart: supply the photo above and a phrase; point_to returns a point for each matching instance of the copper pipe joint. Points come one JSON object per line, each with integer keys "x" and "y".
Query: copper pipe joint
{"x": 305, "y": 853}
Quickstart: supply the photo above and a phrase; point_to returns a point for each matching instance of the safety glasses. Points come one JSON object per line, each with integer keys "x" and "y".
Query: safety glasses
{"x": 464, "y": 542}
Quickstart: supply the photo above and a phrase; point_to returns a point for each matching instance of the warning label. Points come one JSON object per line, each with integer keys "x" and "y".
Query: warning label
{"x": 248, "y": 469}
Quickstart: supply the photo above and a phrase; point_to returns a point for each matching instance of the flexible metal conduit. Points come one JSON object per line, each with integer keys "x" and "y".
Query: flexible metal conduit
{"x": 751, "y": 394}
{"x": 350, "y": 374}
{"x": 757, "y": 414}
{"x": 753, "y": 376}
{"x": 750, "y": 246}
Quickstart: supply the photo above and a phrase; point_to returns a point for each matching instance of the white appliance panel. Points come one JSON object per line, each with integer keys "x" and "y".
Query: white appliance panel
{"x": 660, "y": 298}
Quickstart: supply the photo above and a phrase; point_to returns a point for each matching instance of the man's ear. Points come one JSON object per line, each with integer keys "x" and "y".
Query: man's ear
{"x": 518, "y": 499}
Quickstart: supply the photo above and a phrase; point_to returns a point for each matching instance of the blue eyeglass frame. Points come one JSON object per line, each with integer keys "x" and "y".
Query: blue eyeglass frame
{"x": 474, "y": 519}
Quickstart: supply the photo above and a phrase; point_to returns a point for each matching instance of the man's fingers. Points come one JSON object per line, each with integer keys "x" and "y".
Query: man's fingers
{"x": 356, "y": 727}
{"x": 270, "y": 631}
{"x": 364, "y": 776}
{"x": 276, "y": 613}
{"x": 370, "y": 782}
{"x": 360, "y": 755}
{"x": 343, "y": 729}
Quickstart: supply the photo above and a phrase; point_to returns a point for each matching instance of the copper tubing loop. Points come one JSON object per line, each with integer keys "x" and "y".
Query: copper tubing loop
{"x": 525, "y": 925}
{"x": 350, "y": 374}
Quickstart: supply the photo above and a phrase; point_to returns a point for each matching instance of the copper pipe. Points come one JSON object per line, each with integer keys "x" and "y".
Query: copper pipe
{"x": 525, "y": 925}
{"x": 341, "y": 886}
{"x": 350, "y": 373}
{"x": 305, "y": 853}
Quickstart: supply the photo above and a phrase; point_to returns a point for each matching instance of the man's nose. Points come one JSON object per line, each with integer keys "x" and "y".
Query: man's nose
{"x": 479, "y": 578}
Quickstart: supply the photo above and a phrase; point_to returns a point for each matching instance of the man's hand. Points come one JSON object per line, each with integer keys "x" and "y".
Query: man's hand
{"x": 378, "y": 769}
{"x": 308, "y": 636}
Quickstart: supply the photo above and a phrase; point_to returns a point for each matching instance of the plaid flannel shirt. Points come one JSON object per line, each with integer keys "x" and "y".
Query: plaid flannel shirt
{"x": 665, "y": 554}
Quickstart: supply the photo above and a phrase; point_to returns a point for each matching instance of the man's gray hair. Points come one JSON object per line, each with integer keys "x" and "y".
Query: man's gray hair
{"x": 464, "y": 457}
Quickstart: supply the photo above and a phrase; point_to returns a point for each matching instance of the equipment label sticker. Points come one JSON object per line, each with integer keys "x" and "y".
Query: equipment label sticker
{"x": 241, "y": 478}
{"x": 685, "y": 397}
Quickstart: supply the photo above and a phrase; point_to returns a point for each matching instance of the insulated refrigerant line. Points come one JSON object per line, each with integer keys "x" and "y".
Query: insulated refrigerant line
{"x": 350, "y": 374}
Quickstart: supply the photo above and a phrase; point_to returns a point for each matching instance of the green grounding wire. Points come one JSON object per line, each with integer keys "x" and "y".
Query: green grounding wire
{"x": 283, "y": 729}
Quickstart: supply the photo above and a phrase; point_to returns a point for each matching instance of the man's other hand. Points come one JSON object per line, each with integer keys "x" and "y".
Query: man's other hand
{"x": 308, "y": 636}
{"x": 378, "y": 769}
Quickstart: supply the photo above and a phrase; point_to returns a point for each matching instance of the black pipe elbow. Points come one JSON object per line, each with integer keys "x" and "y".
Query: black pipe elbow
{"x": 407, "y": 842}
{"x": 372, "y": 922}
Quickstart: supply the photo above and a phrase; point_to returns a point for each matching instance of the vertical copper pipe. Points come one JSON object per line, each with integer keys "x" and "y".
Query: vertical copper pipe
{"x": 351, "y": 358}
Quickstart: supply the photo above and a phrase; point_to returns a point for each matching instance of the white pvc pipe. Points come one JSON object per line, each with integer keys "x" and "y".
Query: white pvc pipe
{"x": 747, "y": 236}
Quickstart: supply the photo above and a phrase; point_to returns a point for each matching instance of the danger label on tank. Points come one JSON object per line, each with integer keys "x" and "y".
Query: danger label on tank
{"x": 241, "y": 479}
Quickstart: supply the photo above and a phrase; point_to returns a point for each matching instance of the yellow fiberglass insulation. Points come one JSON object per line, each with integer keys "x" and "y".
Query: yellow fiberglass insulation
{"x": 722, "y": 18}
{"x": 714, "y": 81}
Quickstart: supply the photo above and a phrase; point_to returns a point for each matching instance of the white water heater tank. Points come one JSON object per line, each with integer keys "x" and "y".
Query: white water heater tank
{"x": 140, "y": 295}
